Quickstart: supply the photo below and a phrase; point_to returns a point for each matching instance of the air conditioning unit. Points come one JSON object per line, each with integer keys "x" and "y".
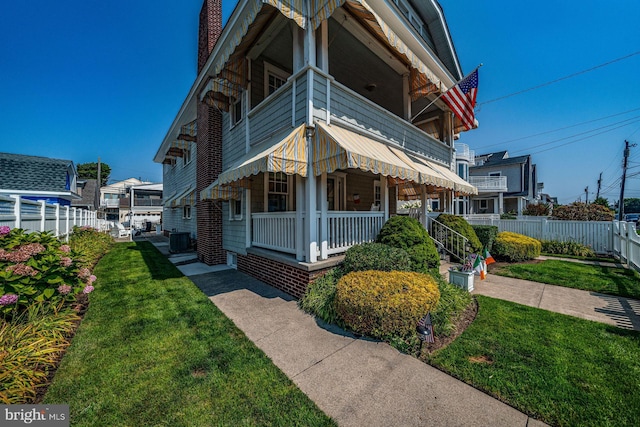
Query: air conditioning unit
{"x": 179, "y": 242}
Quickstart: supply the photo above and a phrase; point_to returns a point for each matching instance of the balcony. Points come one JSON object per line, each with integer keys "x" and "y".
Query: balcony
{"x": 110, "y": 203}
{"x": 489, "y": 184}
{"x": 463, "y": 153}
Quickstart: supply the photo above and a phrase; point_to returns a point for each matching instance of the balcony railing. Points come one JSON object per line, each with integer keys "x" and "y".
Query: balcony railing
{"x": 277, "y": 230}
{"x": 486, "y": 184}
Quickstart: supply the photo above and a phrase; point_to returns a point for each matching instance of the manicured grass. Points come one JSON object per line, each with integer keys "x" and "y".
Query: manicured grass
{"x": 153, "y": 350}
{"x": 596, "y": 258}
{"x": 560, "y": 369}
{"x": 606, "y": 280}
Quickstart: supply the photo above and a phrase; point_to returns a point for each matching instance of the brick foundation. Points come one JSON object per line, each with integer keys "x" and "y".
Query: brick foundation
{"x": 289, "y": 279}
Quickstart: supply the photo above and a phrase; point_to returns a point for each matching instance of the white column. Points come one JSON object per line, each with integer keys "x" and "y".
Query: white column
{"x": 500, "y": 203}
{"x": 323, "y": 217}
{"x": 66, "y": 223}
{"x": 311, "y": 228}
{"x": 406, "y": 97}
{"x": 57, "y": 229}
{"x": 248, "y": 221}
{"x": 43, "y": 214}
{"x": 323, "y": 46}
{"x": 385, "y": 196}
{"x": 17, "y": 211}
{"x": 423, "y": 206}
{"x": 300, "y": 204}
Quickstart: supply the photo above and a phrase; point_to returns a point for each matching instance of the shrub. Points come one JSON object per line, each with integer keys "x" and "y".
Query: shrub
{"x": 566, "y": 248}
{"x": 91, "y": 244}
{"x": 386, "y": 305}
{"x": 541, "y": 209}
{"x": 376, "y": 256}
{"x": 407, "y": 233}
{"x": 451, "y": 305}
{"x": 31, "y": 344}
{"x": 320, "y": 295}
{"x": 460, "y": 225}
{"x": 38, "y": 267}
{"x": 578, "y": 211}
{"x": 515, "y": 247}
{"x": 486, "y": 234}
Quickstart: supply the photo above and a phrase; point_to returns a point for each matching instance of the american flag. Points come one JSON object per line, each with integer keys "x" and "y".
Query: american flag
{"x": 462, "y": 98}
{"x": 425, "y": 323}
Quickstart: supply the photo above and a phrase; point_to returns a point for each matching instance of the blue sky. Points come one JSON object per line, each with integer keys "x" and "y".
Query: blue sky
{"x": 86, "y": 79}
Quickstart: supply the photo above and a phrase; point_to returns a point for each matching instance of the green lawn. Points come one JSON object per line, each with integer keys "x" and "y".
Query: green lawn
{"x": 606, "y": 280}
{"x": 562, "y": 370}
{"x": 153, "y": 350}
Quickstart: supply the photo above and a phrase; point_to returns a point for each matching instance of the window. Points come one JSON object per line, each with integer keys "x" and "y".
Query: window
{"x": 235, "y": 209}
{"x": 463, "y": 170}
{"x": 484, "y": 204}
{"x": 186, "y": 212}
{"x": 377, "y": 193}
{"x": 495, "y": 173}
{"x": 278, "y": 192}
{"x": 186, "y": 159}
{"x": 435, "y": 205}
{"x": 274, "y": 78}
{"x": 236, "y": 111}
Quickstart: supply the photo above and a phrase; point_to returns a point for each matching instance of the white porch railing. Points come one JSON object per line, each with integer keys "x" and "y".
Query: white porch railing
{"x": 30, "y": 215}
{"x": 489, "y": 183}
{"x": 277, "y": 230}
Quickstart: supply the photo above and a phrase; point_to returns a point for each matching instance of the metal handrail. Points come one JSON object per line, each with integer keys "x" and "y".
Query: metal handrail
{"x": 450, "y": 240}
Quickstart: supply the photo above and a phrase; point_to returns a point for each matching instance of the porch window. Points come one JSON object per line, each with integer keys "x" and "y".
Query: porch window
{"x": 186, "y": 212}
{"x": 278, "y": 192}
{"x": 274, "y": 78}
{"x": 235, "y": 209}
{"x": 377, "y": 193}
{"x": 435, "y": 205}
{"x": 484, "y": 204}
{"x": 236, "y": 111}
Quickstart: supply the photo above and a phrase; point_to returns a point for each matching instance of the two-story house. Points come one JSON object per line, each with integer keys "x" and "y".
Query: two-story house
{"x": 307, "y": 120}
{"x": 38, "y": 178}
{"x": 511, "y": 183}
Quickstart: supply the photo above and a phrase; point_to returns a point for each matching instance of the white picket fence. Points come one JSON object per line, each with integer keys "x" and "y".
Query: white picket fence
{"x": 30, "y": 215}
{"x": 616, "y": 238}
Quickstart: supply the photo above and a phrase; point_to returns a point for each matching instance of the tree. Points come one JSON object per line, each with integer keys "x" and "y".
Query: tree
{"x": 602, "y": 202}
{"x": 90, "y": 171}
{"x": 578, "y": 211}
{"x": 631, "y": 205}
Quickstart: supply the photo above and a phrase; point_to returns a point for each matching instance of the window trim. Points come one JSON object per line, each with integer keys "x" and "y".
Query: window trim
{"x": 233, "y": 119}
{"x": 288, "y": 194}
{"x": 186, "y": 212}
{"x": 233, "y": 216}
{"x": 270, "y": 69}
{"x": 185, "y": 163}
{"x": 486, "y": 204}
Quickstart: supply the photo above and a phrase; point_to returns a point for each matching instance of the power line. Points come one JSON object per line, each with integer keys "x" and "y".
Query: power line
{"x": 560, "y": 79}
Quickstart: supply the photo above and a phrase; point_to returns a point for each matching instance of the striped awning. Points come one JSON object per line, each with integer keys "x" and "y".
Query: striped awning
{"x": 220, "y": 93}
{"x": 189, "y": 131}
{"x": 221, "y": 192}
{"x": 286, "y": 154}
{"x": 337, "y": 148}
{"x": 181, "y": 198}
{"x": 423, "y": 80}
{"x": 459, "y": 185}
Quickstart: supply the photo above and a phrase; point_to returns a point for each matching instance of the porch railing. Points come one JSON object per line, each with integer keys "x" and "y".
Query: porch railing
{"x": 450, "y": 240}
{"x": 277, "y": 230}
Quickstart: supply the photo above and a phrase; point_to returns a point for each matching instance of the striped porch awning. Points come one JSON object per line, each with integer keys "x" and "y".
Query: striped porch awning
{"x": 181, "y": 198}
{"x": 282, "y": 153}
{"x": 338, "y": 148}
{"x": 221, "y": 192}
{"x": 189, "y": 131}
{"x": 459, "y": 185}
{"x": 220, "y": 93}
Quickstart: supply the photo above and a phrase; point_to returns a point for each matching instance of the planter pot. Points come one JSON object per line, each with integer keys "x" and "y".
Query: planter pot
{"x": 462, "y": 279}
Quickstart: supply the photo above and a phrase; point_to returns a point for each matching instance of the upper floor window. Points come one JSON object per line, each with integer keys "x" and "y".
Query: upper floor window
{"x": 463, "y": 170}
{"x": 186, "y": 212}
{"x": 274, "y": 78}
{"x": 236, "y": 111}
{"x": 186, "y": 159}
{"x": 411, "y": 15}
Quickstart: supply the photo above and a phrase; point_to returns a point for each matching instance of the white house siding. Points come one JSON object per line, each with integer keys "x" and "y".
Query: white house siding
{"x": 177, "y": 179}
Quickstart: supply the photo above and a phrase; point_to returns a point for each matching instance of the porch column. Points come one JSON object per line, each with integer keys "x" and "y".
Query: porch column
{"x": 385, "y": 196}
{"x": 423, "y": 206}
{"x": 406, "y": 97}
{"x": 248, "y": 220}
{"x": 323, "y": 217}
{"x": 500, "y": 203}
{"x": 300, "y": 198}
{"x": 323, "y": 46}
{"x": 496, "y": 207}
{"x": 519, "y": 206}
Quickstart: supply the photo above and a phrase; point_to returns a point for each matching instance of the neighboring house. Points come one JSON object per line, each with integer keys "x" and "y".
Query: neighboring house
{"x": 38, "y": 178}
{"x": 89, "y": 193}
{"x": 308, "y": 122}
{"x": 521, "y": 183}
{"x": 132, "y": 201}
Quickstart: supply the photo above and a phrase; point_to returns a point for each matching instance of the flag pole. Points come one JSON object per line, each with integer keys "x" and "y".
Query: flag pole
{"x": 439, "y": 96}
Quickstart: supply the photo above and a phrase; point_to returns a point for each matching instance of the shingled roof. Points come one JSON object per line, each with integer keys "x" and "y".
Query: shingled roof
{"x": 32, "y": 173}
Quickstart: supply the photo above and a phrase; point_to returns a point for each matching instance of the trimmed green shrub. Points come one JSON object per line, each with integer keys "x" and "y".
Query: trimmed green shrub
{"x": 386, "y": 305}
{"x": 376, "y": 256}
{"x": 90, "y": 244}
{"x": 319, "y": 297}
{"x": 451, "y": 305}
{"x": 486, "y": 234}
{"x": 514, "y": 247}
{"x": 460, "y": 225}
{"x": 407, "y": 233}
{"x": 566, "y": 248}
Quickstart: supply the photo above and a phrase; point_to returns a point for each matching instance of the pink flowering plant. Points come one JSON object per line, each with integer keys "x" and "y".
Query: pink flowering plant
{"x": 38, "y": 267}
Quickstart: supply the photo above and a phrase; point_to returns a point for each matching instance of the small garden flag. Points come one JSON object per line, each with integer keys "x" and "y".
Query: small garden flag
{"x": 425, "y": 323}
{"x": 478, "y": 265}
{"x": 488, "y": 259}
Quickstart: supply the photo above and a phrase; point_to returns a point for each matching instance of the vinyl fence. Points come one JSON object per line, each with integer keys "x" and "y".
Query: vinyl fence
{"x": 604, "y": 237}
{"x": 30, "y": 215}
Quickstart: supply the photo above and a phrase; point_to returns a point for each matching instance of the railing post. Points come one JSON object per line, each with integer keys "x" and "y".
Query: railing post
{"x": 66, "y": 222}
{"x": 43, "y": 214}
{"x": 57, "y": 230}
{"x": 17, "y": 211}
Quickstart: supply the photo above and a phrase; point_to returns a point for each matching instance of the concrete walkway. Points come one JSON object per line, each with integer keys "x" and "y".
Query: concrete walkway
{"x": 356, "y": 381}
{"x": 609, "y": 309}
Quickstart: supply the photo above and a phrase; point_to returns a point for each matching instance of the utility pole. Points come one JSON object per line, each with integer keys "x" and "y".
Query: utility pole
{"x": 586, "y": 195}
{"x": 599, "y": 185}
{"x": 99, "y": 183}
{"x": 624, "y": 177}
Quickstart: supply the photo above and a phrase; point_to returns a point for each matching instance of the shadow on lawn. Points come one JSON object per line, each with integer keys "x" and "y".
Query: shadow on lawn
{"x": 159, "y": 266}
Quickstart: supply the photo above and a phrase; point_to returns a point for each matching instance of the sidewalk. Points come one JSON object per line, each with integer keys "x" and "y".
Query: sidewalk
{"x": 610, "y": 309}
{"x": 356, "y": 381}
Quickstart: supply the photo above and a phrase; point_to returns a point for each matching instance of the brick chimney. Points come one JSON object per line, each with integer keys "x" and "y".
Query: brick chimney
{"x": 209, "y": 29}
{"x": 209, "y": 145}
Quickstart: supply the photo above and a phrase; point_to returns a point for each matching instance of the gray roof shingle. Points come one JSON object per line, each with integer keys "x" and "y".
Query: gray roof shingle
{"x": 33, "y": 173}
